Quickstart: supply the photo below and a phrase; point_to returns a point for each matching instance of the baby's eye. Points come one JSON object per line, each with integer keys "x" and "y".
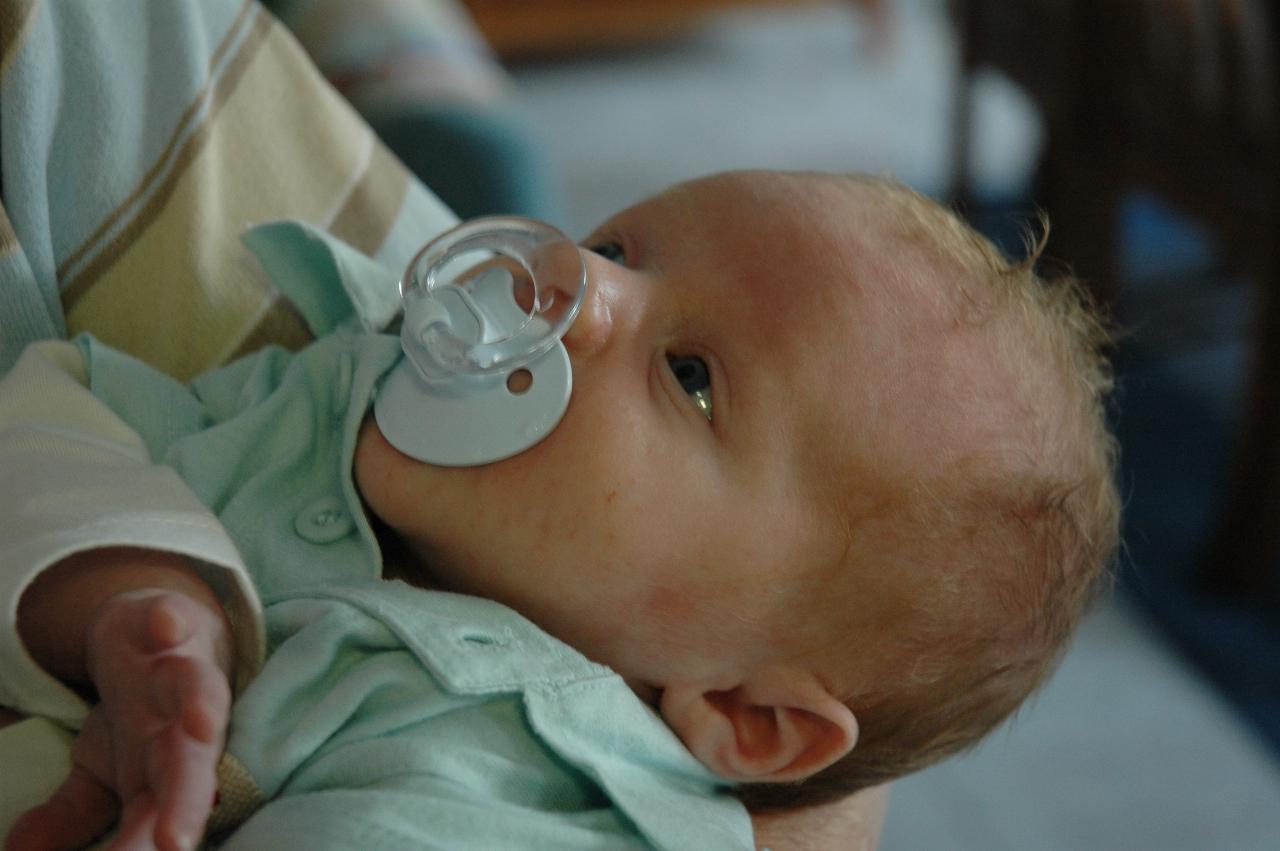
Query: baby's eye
{"x": 611, "y": 251}
{"x": 695, "y": 379}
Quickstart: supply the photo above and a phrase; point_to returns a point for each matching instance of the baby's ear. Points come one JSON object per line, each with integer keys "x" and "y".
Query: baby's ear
{"x": 777, "y": 725}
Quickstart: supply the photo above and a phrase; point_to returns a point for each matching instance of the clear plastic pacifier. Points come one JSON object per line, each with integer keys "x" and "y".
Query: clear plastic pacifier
{"x": 485, "y": 375}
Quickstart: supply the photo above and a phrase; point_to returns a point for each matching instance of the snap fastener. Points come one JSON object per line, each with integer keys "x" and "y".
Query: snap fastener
{"x": 324, "y": 521}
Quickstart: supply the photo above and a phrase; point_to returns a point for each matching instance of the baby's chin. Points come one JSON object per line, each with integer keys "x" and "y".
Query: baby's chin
{"x": 647, "y": 693}
{"x": 393, "y": 485}
{"x": 400, "y": 561}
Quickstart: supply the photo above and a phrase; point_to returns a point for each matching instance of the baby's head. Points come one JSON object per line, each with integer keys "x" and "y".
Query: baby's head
{"x": 832, "y": 489}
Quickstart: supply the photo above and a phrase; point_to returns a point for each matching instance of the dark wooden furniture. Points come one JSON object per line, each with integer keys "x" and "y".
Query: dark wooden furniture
{"x": 1179, "y": 97}
{"x": 522, "y": 29}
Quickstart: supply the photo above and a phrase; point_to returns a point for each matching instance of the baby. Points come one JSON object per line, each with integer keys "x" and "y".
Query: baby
{"x": 849, "y": 548}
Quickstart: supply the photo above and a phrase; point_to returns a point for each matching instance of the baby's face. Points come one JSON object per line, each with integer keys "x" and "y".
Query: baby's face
{"x": 664, "y": 544}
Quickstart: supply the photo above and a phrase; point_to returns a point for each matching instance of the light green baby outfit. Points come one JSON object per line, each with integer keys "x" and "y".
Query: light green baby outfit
{"x": 388, "y": 716}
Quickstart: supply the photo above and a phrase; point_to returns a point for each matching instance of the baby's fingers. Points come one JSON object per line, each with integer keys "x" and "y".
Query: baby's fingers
{"x": 194, "y": 695}
{"x": 183, "y": 769}
{"x": 137, "y": 827}
{"x": 81, "y": 810}
{"x": 166, "y": 622}
{"x": 185, "y": 796}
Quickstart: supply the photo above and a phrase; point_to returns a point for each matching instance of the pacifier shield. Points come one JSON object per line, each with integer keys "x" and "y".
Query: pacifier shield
{"x": 450, "y": 401}
{"x": 476, "y": 424}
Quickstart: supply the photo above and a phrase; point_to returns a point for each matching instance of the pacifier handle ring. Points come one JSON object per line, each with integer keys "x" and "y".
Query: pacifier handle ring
{"x": 521, "y": 240}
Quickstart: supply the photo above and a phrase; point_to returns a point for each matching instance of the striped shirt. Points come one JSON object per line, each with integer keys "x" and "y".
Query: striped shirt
{"x": 140, "y": 138}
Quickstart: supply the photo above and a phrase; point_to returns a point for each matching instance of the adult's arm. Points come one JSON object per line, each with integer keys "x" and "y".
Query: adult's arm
{"x": 124, "y": 204}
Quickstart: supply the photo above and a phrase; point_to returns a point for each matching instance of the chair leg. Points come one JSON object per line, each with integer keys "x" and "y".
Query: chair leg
{"x": 1240, "y": 561}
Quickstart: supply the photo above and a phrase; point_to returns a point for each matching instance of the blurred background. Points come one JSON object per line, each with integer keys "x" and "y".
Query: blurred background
{"x": 1148, "y": 131}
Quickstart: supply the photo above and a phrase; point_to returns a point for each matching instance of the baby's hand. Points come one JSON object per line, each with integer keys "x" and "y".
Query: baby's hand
{"x": 148, "y": 752}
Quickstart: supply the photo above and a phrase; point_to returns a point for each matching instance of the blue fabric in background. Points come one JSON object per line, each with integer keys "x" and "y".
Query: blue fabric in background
{"x": 1179, "y": 411}
{"x": 479, "y": 161}
{"x": 1180, "y": 368}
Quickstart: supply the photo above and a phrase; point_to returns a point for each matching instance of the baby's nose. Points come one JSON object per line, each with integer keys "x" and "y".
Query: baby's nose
{"x": 590, "y": 331}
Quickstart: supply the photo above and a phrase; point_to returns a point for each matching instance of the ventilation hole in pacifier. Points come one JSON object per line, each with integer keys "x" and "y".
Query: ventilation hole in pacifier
{"x": 519, "y": 381}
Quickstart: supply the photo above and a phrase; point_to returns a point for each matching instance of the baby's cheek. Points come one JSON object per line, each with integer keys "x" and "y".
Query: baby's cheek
{"x": 669, "y": 605}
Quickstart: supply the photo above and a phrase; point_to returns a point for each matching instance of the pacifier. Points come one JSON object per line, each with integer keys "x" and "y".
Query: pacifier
{"x": 484, "y": 375}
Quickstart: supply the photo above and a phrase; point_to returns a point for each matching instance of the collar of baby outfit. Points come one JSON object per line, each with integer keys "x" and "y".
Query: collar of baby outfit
{"x": 582, "y": 710}
{"x": 331, "y": 283}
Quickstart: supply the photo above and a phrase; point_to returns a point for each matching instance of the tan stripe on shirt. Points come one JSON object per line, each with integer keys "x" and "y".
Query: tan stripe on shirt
{"x": 159, "y": 182}
{"x": 188, "y": 124}
{"x": 368, "y": 212}
{"x": 16, "y": 19}
{"x": 206, "y": 300}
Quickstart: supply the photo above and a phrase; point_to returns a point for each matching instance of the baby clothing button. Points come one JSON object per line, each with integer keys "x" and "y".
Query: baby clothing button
{"x": 324, "y": 521}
